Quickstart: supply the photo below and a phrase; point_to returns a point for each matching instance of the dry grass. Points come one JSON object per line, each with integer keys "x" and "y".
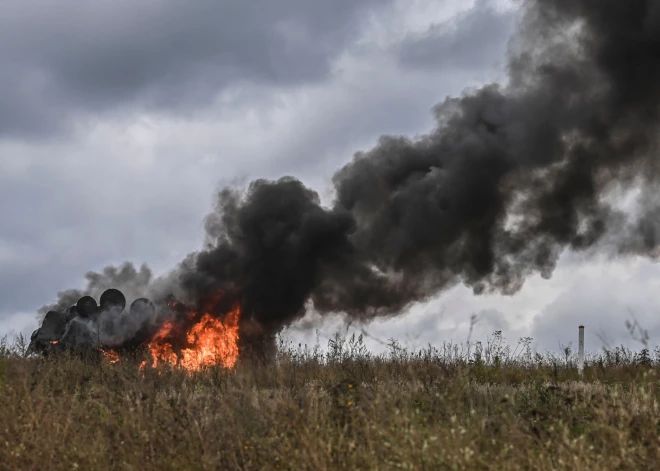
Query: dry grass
{"x": 344, "y": 409}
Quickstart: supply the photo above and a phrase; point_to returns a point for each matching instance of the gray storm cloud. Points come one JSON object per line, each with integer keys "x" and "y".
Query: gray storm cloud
{"x": 61, "y": 60}
{"x": 474, "y": 37}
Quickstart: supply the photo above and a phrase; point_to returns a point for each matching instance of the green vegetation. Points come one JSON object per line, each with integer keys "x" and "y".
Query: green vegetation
{"x": 483, "y": 407}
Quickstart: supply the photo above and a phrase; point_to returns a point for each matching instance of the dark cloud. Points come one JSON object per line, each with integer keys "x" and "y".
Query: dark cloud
{"x": 62, "y": 58}
{"x": 468, "y": 41}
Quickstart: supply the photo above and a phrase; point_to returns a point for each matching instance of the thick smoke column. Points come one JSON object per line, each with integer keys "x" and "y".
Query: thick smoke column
{"x": 513, "y": 175}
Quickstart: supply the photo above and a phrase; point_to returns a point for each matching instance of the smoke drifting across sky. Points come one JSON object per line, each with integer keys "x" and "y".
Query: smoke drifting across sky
{"x": 512, "y": 175}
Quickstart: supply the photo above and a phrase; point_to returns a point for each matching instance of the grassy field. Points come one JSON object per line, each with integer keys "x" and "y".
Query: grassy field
{"x": 486, "y": 407}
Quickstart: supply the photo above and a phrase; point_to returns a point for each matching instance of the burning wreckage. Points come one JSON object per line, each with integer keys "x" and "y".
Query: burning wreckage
{"x": 88, "y": 325}
{"x": 177, "y": 335}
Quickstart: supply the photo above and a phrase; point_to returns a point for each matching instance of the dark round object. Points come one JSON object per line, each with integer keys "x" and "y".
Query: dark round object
{"x": 113, "y": 299}
{"x": 87, "y": 306}
{"x": 142, "y": 307}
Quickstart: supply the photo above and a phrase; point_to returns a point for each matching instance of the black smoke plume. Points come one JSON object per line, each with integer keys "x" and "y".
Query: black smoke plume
{"x": 513, "y": 175}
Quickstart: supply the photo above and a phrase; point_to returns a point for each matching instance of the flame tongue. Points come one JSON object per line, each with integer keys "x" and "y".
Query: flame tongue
{"x": 213, "y": 342}
{"x": 210, "y": 341}
{"x": 111, "y": 355}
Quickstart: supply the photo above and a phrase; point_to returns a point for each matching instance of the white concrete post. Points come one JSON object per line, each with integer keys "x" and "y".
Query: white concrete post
{"x": 581, "y": 351}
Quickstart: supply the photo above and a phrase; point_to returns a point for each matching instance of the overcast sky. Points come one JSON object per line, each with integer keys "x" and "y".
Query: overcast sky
{"x": 119, "y": 120}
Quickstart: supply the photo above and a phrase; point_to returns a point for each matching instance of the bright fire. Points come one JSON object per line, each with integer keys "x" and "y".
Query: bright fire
{"x": 210, "y": 341}
{"x": 111, "y": 356}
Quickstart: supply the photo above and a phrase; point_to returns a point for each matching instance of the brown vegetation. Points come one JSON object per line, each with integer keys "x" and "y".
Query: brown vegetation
{"x": 342, "y": 409}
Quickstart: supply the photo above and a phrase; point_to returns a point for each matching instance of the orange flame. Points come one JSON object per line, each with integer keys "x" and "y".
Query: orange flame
{"x": 212, "y": 341}
{"x": 111, "y": 356}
